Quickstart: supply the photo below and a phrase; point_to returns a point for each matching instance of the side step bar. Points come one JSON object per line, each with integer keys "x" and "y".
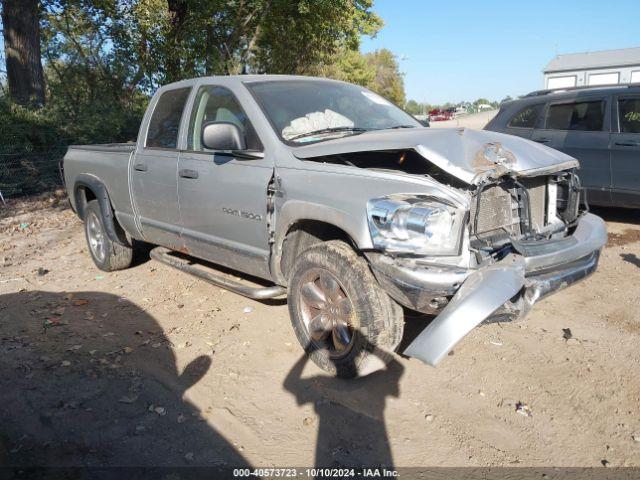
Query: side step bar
{"x": 163, "y": 255}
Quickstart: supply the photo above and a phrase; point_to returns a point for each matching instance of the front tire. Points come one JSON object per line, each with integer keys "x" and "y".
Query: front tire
{"x": 106, "y": 254}
{"x": 341, "y": 316}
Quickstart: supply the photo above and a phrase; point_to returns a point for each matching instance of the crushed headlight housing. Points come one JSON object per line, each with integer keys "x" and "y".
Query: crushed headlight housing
{"x": 415, "y": 224}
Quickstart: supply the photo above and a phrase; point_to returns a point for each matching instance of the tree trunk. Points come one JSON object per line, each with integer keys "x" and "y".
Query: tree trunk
{"x": 178, "y": 10}
{"x": 22, "y": 51}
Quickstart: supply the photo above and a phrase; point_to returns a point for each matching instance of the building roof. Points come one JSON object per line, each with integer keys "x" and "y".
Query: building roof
{"x": 601, "y": 59}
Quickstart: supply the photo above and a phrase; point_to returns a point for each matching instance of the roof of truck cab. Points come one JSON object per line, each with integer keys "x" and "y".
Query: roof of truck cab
{"x": 227, "y": 79}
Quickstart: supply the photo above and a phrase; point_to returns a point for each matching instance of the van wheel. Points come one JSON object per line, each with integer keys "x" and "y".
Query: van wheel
{"x": 343, "y": 319}
{"x": 106, "y": 254}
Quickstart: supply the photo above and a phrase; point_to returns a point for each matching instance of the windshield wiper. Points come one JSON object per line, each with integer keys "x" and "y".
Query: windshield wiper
{"x": 330, "y": 130}
{"x": 401, "y": 126}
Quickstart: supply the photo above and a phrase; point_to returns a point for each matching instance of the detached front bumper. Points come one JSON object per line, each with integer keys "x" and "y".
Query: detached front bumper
{"x": 509, "y": 287}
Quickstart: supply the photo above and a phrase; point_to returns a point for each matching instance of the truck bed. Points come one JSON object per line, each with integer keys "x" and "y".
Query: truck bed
{"x": 106, "y": 147}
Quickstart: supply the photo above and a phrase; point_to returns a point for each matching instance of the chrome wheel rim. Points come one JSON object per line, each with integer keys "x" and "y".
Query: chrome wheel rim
{"x": 95, "y": 235}
{"x": 327, "y": 312}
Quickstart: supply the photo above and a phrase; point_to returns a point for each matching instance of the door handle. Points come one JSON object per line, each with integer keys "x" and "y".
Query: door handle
{"x": 140, "y": 167}
{"x": 542, "y": 140}
{"x": 629, "y": 143}
{"x": 186, "y": 173}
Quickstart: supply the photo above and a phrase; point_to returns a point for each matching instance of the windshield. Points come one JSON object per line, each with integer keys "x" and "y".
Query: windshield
{"x": 304, "y": 111}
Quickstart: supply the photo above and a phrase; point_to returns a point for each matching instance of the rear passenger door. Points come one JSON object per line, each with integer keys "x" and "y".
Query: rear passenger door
{"x": 580, "y": 128}
{"x": 625, "y": 151}
{"x": 223, "y": 199}
{"x": 153, "y": 173}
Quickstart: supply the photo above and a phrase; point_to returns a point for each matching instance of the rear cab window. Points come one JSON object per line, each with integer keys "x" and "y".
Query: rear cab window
{"x": 526, "y": 117}
{"x": 586, "y": 115}
{"x": 165, "y": 120}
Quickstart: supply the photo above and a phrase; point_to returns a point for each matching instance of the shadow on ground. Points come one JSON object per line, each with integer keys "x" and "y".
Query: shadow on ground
{"x": 89, "y": 379}
{"x": 350, "y": 415}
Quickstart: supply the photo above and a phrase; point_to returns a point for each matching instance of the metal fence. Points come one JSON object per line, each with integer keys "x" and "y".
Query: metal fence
{"x": 28, "y": 170}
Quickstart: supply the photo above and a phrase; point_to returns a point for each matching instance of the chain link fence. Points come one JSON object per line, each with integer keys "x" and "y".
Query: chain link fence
{"x": 29, "y": 169}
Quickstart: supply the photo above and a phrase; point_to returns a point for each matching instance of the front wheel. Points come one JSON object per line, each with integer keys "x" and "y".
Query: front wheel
{"x": 343, "y": 319}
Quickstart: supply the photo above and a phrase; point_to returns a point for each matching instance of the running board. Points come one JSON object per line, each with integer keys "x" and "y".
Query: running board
{"x": 163, "y": 255}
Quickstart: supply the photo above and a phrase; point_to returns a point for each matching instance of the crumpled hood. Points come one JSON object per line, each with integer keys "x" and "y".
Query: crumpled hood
{"x": 470, "y": 155}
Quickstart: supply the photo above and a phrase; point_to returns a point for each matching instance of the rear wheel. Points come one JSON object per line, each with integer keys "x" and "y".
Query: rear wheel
{"x": 106, "y": 254}
{"x": 347, "y": 324}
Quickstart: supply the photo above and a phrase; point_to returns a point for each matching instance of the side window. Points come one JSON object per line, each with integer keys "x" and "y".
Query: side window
{"x": 585, "y": 116}
{"x": 526, "y": 117}
{"x": 218, "y": 104}
{"x": 629, "y": 115}
{"x": 165, "y": 121}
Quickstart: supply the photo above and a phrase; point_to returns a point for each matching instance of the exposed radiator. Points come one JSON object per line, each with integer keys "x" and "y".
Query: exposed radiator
{"x": 537, "y": 188}
{"x": 497, "y": 209}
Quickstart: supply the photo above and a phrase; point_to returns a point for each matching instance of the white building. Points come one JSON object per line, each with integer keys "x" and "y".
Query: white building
{"x": 593, "y": 68}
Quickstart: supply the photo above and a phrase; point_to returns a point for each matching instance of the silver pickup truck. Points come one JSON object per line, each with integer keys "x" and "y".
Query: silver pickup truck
{"x": 327, "y": 193}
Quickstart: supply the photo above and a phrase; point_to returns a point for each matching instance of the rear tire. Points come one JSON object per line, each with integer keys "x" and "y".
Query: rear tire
{"x": 106, "y": 254}
{"x": 342, "y": 318}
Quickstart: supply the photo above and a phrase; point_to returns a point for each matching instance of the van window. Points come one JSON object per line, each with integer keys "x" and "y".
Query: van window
{"x": 165, "y": 121}
{"x": 219, "y": 104}
{"x": 586, "y": 116}
{"x": 526, "y": 117}
{"x": 629, "y": 115}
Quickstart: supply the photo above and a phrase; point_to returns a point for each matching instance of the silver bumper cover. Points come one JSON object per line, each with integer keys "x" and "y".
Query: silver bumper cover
{"x": 510, "y": 286}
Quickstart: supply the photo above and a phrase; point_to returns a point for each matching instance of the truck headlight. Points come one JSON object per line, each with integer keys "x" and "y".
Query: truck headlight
{"x": 415, "y": 224}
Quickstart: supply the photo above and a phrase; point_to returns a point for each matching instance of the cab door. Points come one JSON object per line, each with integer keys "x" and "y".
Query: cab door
{"x": 154, "y": 183}
{"x": 580, "y": 127}
{"x": 625, "y": 152}
{"x": 223, "y": 198}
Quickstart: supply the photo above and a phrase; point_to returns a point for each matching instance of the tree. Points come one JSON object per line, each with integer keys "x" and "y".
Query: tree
{"x": 506, "y": 99}
{"x": 388, "y": 80}
{"x": 21, "y": 31}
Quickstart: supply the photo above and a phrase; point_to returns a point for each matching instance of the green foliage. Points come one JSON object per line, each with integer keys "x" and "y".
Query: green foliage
{"x": 378, "y": 71}
{"x": 104, "y": 58}
{"x": 30, "y": 148}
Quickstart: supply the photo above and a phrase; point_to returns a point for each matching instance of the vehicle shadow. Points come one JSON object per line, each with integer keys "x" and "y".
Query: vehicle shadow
{"x": 89, "y": 379}
{"x": 621, "y": 215}
{"x": 350, "y": 414}
{"x": 631, "y": 258}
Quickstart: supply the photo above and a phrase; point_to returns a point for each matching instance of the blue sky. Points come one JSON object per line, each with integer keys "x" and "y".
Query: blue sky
{"x": 465, "y": 49}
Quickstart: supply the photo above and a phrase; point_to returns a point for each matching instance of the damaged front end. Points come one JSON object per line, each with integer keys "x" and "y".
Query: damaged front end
{"x": 518, "y": 235}
{"x": 525, "y": 238}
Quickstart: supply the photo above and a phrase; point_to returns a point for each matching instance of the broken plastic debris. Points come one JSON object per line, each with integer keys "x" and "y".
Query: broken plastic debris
{"x": 51, "y": 322}
{"x": 524, "y": 409}
{"x": 247, "y": 309}
{"x": 79, "y": 302}
{"x": 566, "y": 333}
{"x": 128, "y": 398}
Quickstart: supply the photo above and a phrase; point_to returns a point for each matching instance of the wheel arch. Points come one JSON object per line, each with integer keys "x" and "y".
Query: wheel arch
{"x": 299, "y": 235}
{"x": 89, "y": 187}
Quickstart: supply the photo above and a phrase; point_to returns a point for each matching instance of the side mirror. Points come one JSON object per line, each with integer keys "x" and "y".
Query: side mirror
{"x": 222, "y": 136}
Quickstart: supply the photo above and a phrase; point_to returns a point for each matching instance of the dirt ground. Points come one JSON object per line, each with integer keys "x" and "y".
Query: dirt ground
{"x": 149, "y": 366}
